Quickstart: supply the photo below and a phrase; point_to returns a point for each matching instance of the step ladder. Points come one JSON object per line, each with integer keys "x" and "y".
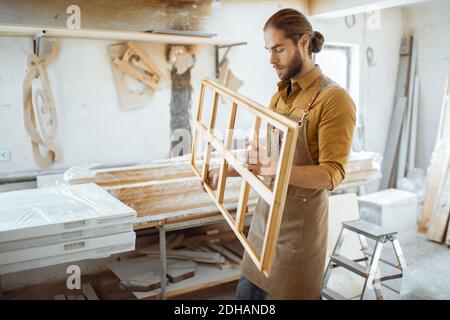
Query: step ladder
{"x": 370, "y": 270}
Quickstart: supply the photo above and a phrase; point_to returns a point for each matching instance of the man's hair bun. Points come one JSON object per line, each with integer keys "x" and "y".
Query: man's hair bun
{"x": 317, "y": 42}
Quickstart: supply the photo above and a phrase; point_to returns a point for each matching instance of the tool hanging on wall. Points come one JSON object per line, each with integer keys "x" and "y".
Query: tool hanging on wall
{"x": 350, "y": 21}
{"x": 370, "y": 54}
{"x": 40, "y": 116}
{"x": 227, "y": 77}
{"x": 128, "y": 59}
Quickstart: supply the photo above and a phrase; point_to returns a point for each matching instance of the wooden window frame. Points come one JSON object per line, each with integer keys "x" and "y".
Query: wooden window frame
{"x": 275, "y": 198}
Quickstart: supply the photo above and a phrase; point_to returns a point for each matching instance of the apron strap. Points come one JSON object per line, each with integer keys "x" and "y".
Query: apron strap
{"x": 324, "y": 84}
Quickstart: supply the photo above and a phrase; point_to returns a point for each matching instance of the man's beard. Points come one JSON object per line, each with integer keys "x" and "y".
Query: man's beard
{"x": 294, "y": 67}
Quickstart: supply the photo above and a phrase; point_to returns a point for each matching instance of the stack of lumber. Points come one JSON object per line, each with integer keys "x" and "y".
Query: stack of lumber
{"x": 362, "y": 167}
{"x": 163, "y": 192}
{"x": 400, "y": 150}
{"x": 436, "y": 206}
{"x": 87, "y": 293}
{"x": 42, "y": 227}
{"x": 215, "y": 246}
{"x": 187, "y": 257}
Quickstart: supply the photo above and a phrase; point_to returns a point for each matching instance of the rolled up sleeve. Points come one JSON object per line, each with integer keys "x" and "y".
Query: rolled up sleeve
{"x": 336, "y": 126}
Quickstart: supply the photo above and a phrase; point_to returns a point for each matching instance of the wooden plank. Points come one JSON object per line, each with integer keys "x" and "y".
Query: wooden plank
{"x": 392, "y": 141}
{"x": 227, "y": 254}
{"x": 221, "y": 236}
{"x": 205, "y": 277}
{"x": 89, "y": 291}
{"x": 448, "y": 234}
{"x": 235, "y": 247}
{"x": 207, "y": 153}
{"x": 279, "y": 121}
{"x": 277, "y": 206}
{"x": 180, "y": 275}
{"x": 129, "y": 100}
{"x": 181, "y": 270}
{"x": 176, "y": 241}
{"x": 141, "y": 284}
{"x": 141, "y": 274}
{"x": 242, "y": 205}
{"x": 129, "y": 70}
{"x": 441, "y": 209}
{"x": 171, "y": 196}
{"x": 162, "y": 190}
{"x": 170, "y": 239}
{"x": 56, "y": 32}
{"x": 153, "y": 207}
{"x": 444, "y": 122}
{"x": 198, "y": 118}
{"x": 173, "y": 168}
{"x": 184, "y": 216}
{"x": 135, "y": 48}
{"x": 397, "y": 123}
{"x": 414, "y": 118}
{"x": 438, "y": 172}
{"x": 42, "y": 133}
{"x": 227, "y": 146}
{"x": 406, "y": 127}
{"x": 197, "y": 256}
{"x": 245, "y": 186}
{"x": 435, "y": 184}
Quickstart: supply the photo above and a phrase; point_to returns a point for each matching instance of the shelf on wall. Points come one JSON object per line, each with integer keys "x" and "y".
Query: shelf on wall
{"x": 99, "y": 34}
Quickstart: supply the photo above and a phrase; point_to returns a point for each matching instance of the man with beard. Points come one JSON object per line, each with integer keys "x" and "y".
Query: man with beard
{"x": 326, "y": 117}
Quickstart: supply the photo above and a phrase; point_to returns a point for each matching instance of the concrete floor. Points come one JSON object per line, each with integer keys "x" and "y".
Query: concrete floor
{"x": 428, "y": 277}
{"x": 429, "y": 268}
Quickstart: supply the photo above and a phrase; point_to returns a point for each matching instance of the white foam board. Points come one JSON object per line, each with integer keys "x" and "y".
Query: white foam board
{"x": 63, "y": 248}
{"x": 41, "y": 212}
{"x": 125, "y": 243}
{"x": 64, "y": 237}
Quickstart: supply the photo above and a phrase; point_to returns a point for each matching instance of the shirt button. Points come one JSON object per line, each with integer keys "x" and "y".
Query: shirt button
{"x": 304, "y": 199}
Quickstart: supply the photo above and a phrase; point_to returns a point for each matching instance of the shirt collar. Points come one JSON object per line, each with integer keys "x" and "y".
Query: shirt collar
{"x": 305, "y": 81}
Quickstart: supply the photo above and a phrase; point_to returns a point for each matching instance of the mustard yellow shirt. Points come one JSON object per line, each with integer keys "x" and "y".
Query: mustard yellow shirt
{"x": 331, "y": 120}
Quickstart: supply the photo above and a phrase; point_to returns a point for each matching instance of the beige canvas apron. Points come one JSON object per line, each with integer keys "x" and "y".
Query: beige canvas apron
{"x": 299, "y": 261}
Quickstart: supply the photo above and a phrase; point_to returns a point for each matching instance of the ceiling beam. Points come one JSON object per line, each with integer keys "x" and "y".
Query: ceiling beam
{"x": 339, "y": 8}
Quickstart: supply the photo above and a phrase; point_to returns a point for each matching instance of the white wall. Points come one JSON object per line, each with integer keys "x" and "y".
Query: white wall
{"x": 430, "y": 23}
{"x": 92, "y": 129}
{"x": 91, "y": 126}
{"x": 377, "y": 83}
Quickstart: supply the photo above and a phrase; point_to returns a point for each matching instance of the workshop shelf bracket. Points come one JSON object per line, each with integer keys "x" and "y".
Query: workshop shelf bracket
{"x": 219, "y": 61}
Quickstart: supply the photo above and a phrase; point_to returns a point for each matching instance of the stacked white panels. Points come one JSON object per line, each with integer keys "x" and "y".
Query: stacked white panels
{"x": 42, "y": 227}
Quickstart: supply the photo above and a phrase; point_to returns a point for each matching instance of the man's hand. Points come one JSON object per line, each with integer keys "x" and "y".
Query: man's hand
{"x": 263, "y": 169}
{"x": 259, "y": 163}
